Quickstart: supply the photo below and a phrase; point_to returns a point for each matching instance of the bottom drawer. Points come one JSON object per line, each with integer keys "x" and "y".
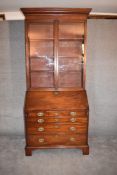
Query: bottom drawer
{"x": 56, "y": 139}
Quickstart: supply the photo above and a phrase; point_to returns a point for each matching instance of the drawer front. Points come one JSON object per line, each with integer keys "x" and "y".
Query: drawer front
{"x": 57, "y": 113}
{"x": 56, "y": 139}
{"x": 64, "y": 119}
{"x": 74, "y": 128}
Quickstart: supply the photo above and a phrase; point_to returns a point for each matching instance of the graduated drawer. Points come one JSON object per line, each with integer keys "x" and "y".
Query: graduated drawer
{"x": 57, "y": 119}
{"x": 71, "y": 128}
{"x": 56, "y": 139}
{"x": 57, "y": 113}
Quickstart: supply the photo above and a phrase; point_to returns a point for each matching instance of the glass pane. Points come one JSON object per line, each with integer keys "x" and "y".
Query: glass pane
{"x": 70, "y": 64}
{"x": 70, "y": 48}
{"x": 41, "y": 55}
{"x": 40, "y": 31}
{"x": 42, "y": 63}
{"x": 70, "y": 79}
{"x": 70, "y": 54}
{"x": 42, "y": 79}
{"x": 71, "y": 30}
{"x": 41, "y": 48}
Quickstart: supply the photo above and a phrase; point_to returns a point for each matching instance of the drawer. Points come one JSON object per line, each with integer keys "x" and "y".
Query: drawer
{"x": 62, "y": 128}
{"x": 57, "y": 119}
{"x": 56, "y": 139}
{"x": 58, "y": 113}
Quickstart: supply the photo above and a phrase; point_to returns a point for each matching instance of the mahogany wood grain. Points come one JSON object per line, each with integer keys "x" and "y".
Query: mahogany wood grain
{"x": 59, "y": 89}
{"x": 57, "y": 114}
{"x": 57, "y": 139}
{"x": 78, "y": 128}
{"x": 99, "y": 16}
{"x": 58, "y": 119}
{"x": 84, "y": 55}
{"x": 36, "y": 11}
{"x": 56, "y": 106}
{"x": 63, "y": 100}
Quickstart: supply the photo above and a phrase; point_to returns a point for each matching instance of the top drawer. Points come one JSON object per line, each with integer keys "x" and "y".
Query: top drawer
{"x": 57, "y": 113}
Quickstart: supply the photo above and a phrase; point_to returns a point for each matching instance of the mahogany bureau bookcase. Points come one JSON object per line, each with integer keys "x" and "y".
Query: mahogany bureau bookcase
{"x": 56, "y": 108}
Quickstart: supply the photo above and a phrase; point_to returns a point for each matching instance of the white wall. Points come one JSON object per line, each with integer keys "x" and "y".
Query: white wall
{"x": 12, "y": 77}
{"x": 102, "y": 76}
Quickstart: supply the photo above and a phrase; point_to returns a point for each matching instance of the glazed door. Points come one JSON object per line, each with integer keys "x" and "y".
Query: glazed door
{"x": 56, "y": 55}
{"x": 41, "y": 55}
{"x": 70, "y": 55}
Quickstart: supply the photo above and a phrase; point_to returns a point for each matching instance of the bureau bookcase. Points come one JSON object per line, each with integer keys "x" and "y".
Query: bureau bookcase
{"x": 56, "y": 108}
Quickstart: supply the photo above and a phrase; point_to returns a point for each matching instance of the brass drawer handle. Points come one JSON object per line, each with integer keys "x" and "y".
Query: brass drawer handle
{"x": 57, "y": 127}
{"x": 56, "y": 93}
{"x": 56, "y": 119}
{"x": 40, "y": 114}
{"x": 56, "y": 113}
{"x": 73, "y": 119}
{"x": 40, "y": 129}
{"x": 73, "y": 113}
{"x": 41, "y": 140}
{"x": 41, "y": 120}
{"x": 72, "y": 139}
{"x": 72, "y": 128}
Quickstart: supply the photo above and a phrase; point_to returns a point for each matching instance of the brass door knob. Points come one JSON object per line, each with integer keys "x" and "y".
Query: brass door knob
{"x": 41, "y": 129}
{"x": 72, "y": 128}
{"x": 40, "y": 114}
{"x": 41, "y": 120}
{"x": 72, "y": 139}
{"x": 41, "y": 140}
{"x": 73, "y": 113}
{"x": 72, "y": 119}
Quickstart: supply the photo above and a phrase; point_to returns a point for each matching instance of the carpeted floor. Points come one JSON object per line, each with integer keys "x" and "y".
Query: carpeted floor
{"x": 101, "y": 161}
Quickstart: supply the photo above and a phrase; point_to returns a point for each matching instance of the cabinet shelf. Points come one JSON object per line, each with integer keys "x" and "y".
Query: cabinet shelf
{"x": 39, "y": 57}
{"x": 60, "y": 71}
{"x": 71, "y": 39}
{"x": 41, "y": 39}
{"x": 60, "y": 39}
{"x": 52, "y": 57}
{"x": 70, "y": 56}
{"x": 69, "y": 71}
{"x": 37, "y": 71}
